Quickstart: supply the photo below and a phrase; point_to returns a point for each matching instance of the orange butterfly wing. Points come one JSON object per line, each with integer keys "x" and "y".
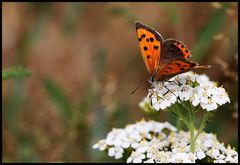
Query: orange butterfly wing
{"x": 177, "y": 66}
{"x": 150, "y": 43}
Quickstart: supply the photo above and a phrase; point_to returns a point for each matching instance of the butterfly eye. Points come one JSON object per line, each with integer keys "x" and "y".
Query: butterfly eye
{"x": 151, "y": 80}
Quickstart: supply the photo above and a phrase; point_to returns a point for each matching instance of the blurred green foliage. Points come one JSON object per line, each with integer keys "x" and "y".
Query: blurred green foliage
{"x": 15, "y": 73}
{"x": 72, "y": 16}
{"x": 124, "y": 12}
{"x": 214, "y": 25}
{"x": 56, "y": 94}
{"x": 172, "y": 12}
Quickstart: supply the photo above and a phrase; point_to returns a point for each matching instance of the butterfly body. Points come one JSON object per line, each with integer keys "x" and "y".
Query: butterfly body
{"x": 163, "y": 58}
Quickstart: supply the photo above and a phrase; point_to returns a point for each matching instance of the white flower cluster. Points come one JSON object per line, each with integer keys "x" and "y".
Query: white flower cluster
{"x": 155, "y": 142}
{"x": 197, "y": 89}
{"x": 133, "y": 136}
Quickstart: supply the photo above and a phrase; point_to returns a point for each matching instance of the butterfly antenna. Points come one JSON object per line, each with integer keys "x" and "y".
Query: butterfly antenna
{"x": 138, "y": 87}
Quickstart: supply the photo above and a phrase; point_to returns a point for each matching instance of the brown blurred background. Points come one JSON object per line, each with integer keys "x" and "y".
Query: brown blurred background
{"x": 85, "y": 62}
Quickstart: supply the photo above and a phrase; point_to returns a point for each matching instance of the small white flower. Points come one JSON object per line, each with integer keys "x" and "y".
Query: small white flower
{"x": 201, "y": 155}
{"x": 159, "y": 88}
{"x": 168, "y": 125}
{"x": 229, "y": 158}
{"x": 149, "y": 161}
{"x": 221, "y": 97}
{"x": 219, "y": 161}
{"x": 179, "y": 79}
{"x": 117, "y": 152}
{"x": 221, "y": 156}
{"x": 101, "y": 145}
{"x": 210, "y": 105}
{"x": 214, "y": 153}
{"x": 125, "y": 144}
{"x": 162, "y": 157}
{"x": 143, "y": 146}
{"x": 196, "y": 96}
{"x": 231, "y": 151}
{"x": 136, "y": 157}
{"x": 135, "y": 135}
{"x": 185, "y": 92}
{"x": 144, "y": 102}
{"x": 170, "y": 97}
{"x": 194, "y": 77}
{"x": 181, "y": 158}
{"x": 135, "y": 145}
{"x": 173, "y": 88}
{"x": 202, "y": 78}
{"x": 156, "y": 102}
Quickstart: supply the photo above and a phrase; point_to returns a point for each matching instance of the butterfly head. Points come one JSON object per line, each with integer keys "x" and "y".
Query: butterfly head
{"x": 151, "y": 80}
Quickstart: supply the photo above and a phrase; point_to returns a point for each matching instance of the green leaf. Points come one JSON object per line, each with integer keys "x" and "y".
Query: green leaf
{"x": 59, "y": 98}
{"x": 15, "y": 73}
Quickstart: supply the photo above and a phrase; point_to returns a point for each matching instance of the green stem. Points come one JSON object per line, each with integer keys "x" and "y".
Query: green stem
{"x": 183, "y": 105}
{"x": 181, "y": 116}
{"x": 204, "y": 121}
{"x": 202, "y": 126}
{"x": 192, "y": 127}
{"x": 191, "y": 122}
{"x": 192, "y": 138}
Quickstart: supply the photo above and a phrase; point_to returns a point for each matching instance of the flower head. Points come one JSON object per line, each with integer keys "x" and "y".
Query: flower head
{"x": 197, "y": 89}
{"x": 155, "y": 142}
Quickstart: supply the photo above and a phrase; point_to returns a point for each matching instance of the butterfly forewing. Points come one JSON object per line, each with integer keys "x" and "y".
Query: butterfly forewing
{"x": 150, "y": 43}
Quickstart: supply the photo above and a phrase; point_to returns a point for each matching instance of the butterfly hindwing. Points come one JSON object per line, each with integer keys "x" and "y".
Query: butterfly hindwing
{"x": 174, "y": 49}
{"x": 177, "y": 66}
{"x": 150, "y": 43}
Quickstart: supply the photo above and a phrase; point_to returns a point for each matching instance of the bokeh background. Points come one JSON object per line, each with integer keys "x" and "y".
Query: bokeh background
{"x": 85, "y": 61}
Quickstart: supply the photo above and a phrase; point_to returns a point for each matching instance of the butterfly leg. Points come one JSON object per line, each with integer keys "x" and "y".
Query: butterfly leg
{"x": 162, "y": 83}
{"x": 172, "y": 82}
{"x": 168, "y": 90}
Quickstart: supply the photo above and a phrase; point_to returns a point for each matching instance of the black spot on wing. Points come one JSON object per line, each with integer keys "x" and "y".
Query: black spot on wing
{"x": 141, "y": 25}
{"x": 179, "y": 64}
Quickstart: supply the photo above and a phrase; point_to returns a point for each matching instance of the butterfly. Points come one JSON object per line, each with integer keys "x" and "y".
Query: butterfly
{"x": 163, "y": 59}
